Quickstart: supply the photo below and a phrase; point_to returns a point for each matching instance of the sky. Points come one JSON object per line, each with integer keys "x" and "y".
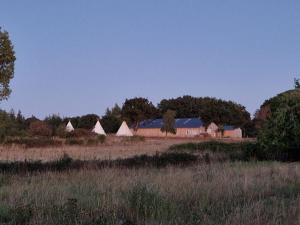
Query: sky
{"x": 81, "y": 56}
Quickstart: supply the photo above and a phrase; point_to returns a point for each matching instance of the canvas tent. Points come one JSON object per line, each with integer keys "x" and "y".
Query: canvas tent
{"x": 98, "y": 129}
{"x": 69, "y": 127}
{"x": 124, "y": 130}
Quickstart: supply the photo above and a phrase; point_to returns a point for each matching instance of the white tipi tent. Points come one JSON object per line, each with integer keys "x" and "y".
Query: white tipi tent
{"x": 124, "y": 130}
{"x": 98, "y": 129}
{"x": 69, "y": 127}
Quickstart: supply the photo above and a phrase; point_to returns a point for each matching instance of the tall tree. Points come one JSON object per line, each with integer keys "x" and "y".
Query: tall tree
{"x": 112, "y": 119}
{"x": 7, "y": 64}
{"x": 169, "y": 122}
{"x": 136, "y": 110}
{"x": 297, "y": 83}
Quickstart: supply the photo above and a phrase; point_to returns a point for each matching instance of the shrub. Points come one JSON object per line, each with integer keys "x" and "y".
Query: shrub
{"x": 74, "y": 141}
{"x": 61, "y": 131}
{"x": 92, "y": 142}
{"x": 80, "y": 133}
{"x": 40, "y": 128}
{"x": 280, "y": 136}
{"x": 101, "y": 138}
{"x": 135, "y": 138}
{"x": 234, "y": 151}
{"x": 34, "y": 142}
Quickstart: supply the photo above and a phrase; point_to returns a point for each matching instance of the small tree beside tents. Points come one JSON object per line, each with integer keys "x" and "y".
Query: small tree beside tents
{"x": 169, "y": 122}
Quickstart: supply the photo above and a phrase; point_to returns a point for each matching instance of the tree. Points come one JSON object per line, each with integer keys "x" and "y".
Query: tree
{"x": 7, "y": 64}
{"x": 297, "y": 83}
{"x": 279, "y": 138}
{"x": 169, "y": 122}
{"x": 53, "y": 121}
{"x": 112, "y": 119}
{"x": 136, "y": 110}
{"x": 40, "y": 128}
{"x": 208, "y": 109}
{"x": 87, "y": 121}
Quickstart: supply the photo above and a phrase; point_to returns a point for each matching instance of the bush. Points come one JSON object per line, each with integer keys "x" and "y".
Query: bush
{"x": 74, "y": 141}
{"x": 92, "y": 142}
{"x": 35, "y": 142}
{"x": 244, "y": 151}
{"x": 134, "y": 138}
{"x": 280, "y": 136}
{"x": 80, "y": 133}
{"x": 101, "y": 138}
{"x": 40, "y": 128}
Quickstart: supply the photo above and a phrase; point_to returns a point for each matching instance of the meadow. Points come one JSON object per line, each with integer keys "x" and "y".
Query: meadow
{"x": 169, "y": 182}
{"x": 221, "y": 193}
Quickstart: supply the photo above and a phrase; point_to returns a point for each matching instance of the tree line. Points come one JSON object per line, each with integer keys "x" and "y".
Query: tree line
{"x": 133, "y": 111}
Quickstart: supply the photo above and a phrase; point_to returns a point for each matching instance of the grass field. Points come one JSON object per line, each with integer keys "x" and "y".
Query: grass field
{"x": 206, "y": 192}
{"x": 113, "y": 148}
{"x": 229, "y": 193}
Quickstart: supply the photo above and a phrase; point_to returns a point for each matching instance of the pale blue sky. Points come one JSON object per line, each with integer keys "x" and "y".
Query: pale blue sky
{"x": 76, "y": 57}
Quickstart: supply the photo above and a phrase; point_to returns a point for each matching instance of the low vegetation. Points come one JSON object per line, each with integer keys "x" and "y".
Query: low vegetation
{"x": 242, "y": 151}
{"x": 227, "y": 193}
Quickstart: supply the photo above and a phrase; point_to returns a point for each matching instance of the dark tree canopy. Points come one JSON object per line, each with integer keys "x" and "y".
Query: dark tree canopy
{"x": 85, "y": 122}
{"x": 286, "y": 99}
{"x": 136, "y": 110}
{"x": 112, "y": 119}
{"x": 280, "y": 135}
{"x": 297, "y": 83}
{"x": 7, "y": 64}
{"x": 209, "y": 109}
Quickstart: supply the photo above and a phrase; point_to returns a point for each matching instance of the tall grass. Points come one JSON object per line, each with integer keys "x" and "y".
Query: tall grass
{"x": 244, "y": 151}
{"x": 228, "y": 193}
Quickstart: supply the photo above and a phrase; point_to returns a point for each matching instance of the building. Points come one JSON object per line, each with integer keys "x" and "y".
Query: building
{"x": 213, "y": 130}
{"x": 185, "y": 127}
{"x": 232, "y": 132}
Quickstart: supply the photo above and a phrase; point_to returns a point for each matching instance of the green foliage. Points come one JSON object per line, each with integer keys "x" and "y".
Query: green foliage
{"x": 136, "y": 110}
{"x": 33, "y": 142}
{"x": 297, "y": 83}
{"x": 88, "y": 121}
{"x": 112, "y": 119}
{"x": 10, "y": 125}
{"x": 169, "y": 122}
{"x": 54, "y": 122}
{"x": 15, "y": 215}
{"x": 40, "y": 128}
{"x": 101, "y": 138}
{"x": 80, "y": 133}
{"x": 74, "y": 141}
{"x": 7, "y": 64}
{"x": 144, "y": 202}
{"x": 209, "y": 109}
{"x": 243, "y": 151}
{"x": 280, "y": 136}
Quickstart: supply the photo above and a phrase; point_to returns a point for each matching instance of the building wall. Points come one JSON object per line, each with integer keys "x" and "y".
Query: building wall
{"x": 236, "y": 133}
{"x": 180, "y": 132}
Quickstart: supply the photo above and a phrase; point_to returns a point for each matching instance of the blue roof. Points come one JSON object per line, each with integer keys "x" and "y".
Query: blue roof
{"x": 228, "y": 127}
{"x": 179, "y": 123}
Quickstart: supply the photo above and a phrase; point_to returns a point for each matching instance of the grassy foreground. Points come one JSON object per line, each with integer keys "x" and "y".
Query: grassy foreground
{"x": 218, "y": 193}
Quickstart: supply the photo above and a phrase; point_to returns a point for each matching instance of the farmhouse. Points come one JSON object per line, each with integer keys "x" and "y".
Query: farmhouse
{"x": 232, "y": 132}
{"x": 185, "y": 127}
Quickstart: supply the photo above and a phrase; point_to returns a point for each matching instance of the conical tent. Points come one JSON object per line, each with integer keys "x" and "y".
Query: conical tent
{"x": 69, "y": 127}
{"x": 98, "y": 129}
{"x": 124, "y": 130}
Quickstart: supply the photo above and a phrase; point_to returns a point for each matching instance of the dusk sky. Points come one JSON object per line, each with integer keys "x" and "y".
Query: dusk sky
{"x": 77, "y": 57}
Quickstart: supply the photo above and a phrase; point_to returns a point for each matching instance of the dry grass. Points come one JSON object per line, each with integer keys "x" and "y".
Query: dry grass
{"x": 230, "y": 193}
{"x": 113, "y": 148}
